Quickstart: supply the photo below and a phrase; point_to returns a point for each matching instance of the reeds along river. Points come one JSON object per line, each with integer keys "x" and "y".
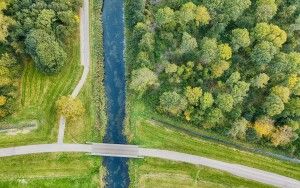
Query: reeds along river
{"x": 113, "y": 36}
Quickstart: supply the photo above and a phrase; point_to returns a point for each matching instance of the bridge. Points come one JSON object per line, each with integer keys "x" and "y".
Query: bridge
{"x": 132, "y": 151}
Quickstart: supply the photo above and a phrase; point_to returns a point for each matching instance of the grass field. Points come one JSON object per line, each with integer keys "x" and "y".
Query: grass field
{"x": 38, "y": 94}
{"x": 47, "y": 170}
{"x": 148, "y": 134}
{"x": 153, "y": 172}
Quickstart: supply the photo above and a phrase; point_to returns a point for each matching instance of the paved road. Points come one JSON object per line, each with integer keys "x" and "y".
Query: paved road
{"x": 235, "y": 169}
{"x": 117, "y": 150}
{"x": 84, "y": 59}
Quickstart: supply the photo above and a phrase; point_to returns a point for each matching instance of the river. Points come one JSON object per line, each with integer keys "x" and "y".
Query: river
{"x": 113, "y": 32}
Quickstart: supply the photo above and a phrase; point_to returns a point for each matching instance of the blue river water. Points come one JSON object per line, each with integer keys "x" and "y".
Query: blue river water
{"x": 113, "y": 34}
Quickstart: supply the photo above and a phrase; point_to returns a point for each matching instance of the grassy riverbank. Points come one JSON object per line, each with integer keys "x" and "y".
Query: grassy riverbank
{"x": 147, "y": 133}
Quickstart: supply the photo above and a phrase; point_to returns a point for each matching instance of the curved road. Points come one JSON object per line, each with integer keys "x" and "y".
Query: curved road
{"x": 118, "y": 150}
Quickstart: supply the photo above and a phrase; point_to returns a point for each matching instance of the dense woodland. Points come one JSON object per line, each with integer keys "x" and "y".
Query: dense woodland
{"x": 232, "y": 66}
{"x": 35, "y": 30}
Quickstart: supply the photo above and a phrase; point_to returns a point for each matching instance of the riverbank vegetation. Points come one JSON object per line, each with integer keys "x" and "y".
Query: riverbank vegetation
{"x": 97, "y": 69}
{"x": 225, "y": 66}
{"x": 150, "y": 134}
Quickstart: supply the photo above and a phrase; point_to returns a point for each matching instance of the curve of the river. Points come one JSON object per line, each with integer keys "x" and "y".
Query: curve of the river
{"x": 113, "y": 32}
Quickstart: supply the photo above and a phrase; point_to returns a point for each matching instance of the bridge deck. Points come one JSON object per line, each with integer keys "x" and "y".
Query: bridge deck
{"x": 115, "y": 150}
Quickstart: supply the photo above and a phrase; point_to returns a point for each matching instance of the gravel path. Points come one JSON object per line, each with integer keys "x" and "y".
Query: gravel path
{"x": 84, "y": 59}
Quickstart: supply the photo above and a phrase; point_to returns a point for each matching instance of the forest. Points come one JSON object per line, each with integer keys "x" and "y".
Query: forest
{"x": 33, "y": 30}
{"x": 230, "y": 66}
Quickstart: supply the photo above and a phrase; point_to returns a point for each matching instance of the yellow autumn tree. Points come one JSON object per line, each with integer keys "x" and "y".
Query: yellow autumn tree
{"x": 202, "y": 16}
{"x": 2, "y": 100}
{"x": 282, "y": 92}
{"x": 219, "y": 68}
{"x": 72, "y": 109}
{"x": 264, "y": 127}
{"x": 225, "y": 51}
{"x": 193, "y": 94}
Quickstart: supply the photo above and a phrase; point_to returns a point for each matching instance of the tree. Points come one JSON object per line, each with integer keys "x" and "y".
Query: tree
{"x": 206, "y": 101}
{"x": 172, "y": 103}
{"x": 142, "y": 79}
{"x": 240, "y": 91}
{"x": 282, "y": 92}
{"x": 284, "y": 65}
{"x": 5, "y": 23}
{"x": 283, "y": 136}
{"x": 225, "y": 102}
{"x": 143, "y": 59}
{"x": 240, "y": 38}
{"x": 264, "y": 126}
{"x": 225, "y": 51}
{"x": 147, "y": 42}
{"x": 260, "y": 81}
{"x": 292, "y": 81}
{"x": 233, "y": 79}
{"x": 140, "y": 29}
{"x": 193, "y": 94}
{"x": 227, "y": 10}
{"x": 263, "y": 52}
{"x": 187, "y": 12}
{"x": 202, "y": 16}
{"x": 165, "y": 18}
{"x": 234, "y": 8}
{"x": 170, "y": 68}
{"x": 69, "y": 20}
{"x": 265, "y": 10}
{"x": 239, "y": 128}
{"x": 218, "y": 69}
{"x": 271, "y": 33}
{"x": 273, "y": 105}
{"x": 214, "y": 117}
{"x": 3, "y": 100}
{"x": 45, "y": 19}
{"x": 188, "y": 43}
{"x": 209, "y": 50}
{"x": 47, "y": 54}
{"x": 293, "y": 107}
{"x": 72, "y": 109}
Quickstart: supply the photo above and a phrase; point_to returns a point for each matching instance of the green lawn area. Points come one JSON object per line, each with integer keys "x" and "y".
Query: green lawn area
{"x": 147, "y": 133}
{"x": 38, "y": 94}
{"x": 150, "y": 172}
{"x": 50, "y": 170}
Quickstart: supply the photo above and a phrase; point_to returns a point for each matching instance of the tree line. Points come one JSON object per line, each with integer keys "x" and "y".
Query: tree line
{"x": 37, "y": 30}
{"x": 231, "y": 66}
